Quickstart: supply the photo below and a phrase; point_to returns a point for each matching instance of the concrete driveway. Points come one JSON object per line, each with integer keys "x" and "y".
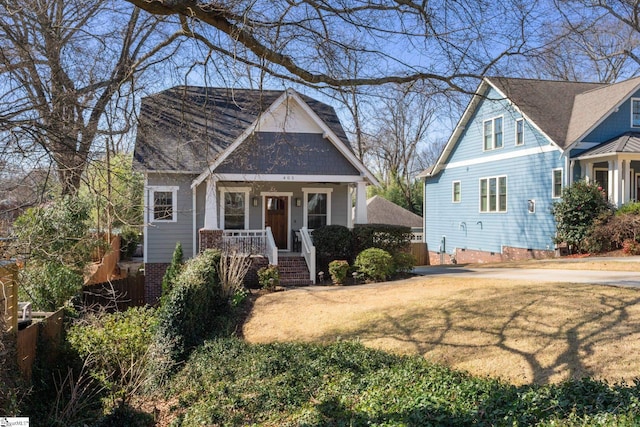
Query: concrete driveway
{"x": 597, "y": 277}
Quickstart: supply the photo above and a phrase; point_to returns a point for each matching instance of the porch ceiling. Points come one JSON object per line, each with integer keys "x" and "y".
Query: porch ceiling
{"x": 626, "y": 143}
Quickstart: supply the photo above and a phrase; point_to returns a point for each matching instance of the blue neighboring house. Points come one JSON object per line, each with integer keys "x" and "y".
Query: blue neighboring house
{"x": 489, "y": 195}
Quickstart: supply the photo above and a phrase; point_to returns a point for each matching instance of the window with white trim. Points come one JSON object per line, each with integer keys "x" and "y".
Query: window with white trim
{"x": 635, "y": 112}
{"x": 235, "y": 208}
{"x": 519, "y": 131}
{"x": 492, "y": 133}
{"x": 317, "y": 207}
{"x": 493, "y": 194}
{"x": 456, "y": 195}
{"x": 556, "y": 183}
{"x": 163, "y": 203}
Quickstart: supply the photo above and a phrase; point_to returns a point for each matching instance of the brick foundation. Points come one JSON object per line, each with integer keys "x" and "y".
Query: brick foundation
{"x": 210, "y": 239}
{"x": 251, "y": 279}
{"x": 469, "y": 256}
{"x": 153, "y": 274}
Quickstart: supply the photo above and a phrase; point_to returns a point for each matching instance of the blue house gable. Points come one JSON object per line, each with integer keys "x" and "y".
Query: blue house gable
{"x": 519, "y": 142}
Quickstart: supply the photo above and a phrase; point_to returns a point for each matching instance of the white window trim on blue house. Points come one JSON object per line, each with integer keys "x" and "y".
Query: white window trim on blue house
{"x": 519, "y": 131}
{"x": 454, "y": 192}
{"x": 555, "y": 182}
{"x": 493, "y": 134}
{"x": 497, "y": 179}
{"x": 635, "y": 112}
{"x": 173, "y": 189}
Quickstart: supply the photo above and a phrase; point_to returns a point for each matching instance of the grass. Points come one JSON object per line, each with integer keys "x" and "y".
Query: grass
{"x": 230, "y": 382}
{"x": 521, "y": 332}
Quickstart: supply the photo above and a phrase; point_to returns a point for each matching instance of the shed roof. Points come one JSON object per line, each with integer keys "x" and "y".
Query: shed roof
{"x": 626, "y": 143}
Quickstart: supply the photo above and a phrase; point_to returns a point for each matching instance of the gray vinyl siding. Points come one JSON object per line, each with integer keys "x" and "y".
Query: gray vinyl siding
{"x": 161, "y": 237}
{"x": 291, "y": 154}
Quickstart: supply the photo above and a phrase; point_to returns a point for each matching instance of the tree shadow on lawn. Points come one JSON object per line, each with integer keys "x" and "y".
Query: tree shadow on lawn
{"x": 541, "y": 335}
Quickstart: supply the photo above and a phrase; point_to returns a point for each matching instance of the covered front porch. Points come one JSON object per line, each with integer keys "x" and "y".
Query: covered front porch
{"x": 274, "y": 219}
{"x": 614, "y": 165}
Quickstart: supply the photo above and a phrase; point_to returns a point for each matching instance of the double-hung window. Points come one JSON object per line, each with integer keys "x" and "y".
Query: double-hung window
{"x": 457, "y": 193}
{"x": 235, "y": 209}
{"x": 635, "y": 112}
{"x": 556, "y": 183}
{"x": 492, "y": 133}
{"x": 519, "y": 131}
{"x": 163, "y": 203}
{"x": 493, "y": 194}
{"x": 317, "y": 207}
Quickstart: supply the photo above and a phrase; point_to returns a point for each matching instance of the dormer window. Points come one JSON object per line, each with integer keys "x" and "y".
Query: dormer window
{"x": 492, "y": 133}
{"x": 635, "y": 112}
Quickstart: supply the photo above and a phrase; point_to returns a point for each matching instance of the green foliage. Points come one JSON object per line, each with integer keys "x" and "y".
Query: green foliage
{"x": 228, "y": 381}
{"x": 269, "y": 277}
{"x": 375, "y": 264}
{"x": 406, "y": 195}
{"x": 194, "y": 310}
{"x": 335, "y": 241}
{"x": 632, "y": 208}
{"x": 403, "y": 262}
{"x": 581, "y": 204}
{"x": 115, "y": 192}
{"x": 391, "y": 238}
{"x": 170, "y": 276}
{"x": 116, "y": 346}
{"x": 57, "y": 232}
{"x": 49, "y": 286}
{"x": 610, "y": 232}
{"x": 129, "y": 239}
{"x": 338, "y": 270}
{"x": 58, "y": 244}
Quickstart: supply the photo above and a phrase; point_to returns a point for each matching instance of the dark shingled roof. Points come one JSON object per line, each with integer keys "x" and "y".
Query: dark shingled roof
{"x": 626, "y": 143}
{"x": 383, "y": 211}
{"x": 185, "y": 128}
{"x": 548, "y": 103}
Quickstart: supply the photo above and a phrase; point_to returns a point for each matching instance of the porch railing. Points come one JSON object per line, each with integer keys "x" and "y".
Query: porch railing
{"x": 271, "y": 247}
{"x": 247, "y": 242}
{"x": 308, "y": 252}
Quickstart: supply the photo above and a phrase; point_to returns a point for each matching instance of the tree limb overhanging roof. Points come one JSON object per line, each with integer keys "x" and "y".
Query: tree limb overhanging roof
{"x": 185, "y": 128}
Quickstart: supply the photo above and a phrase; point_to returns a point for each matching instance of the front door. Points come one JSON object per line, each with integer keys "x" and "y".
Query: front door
{"x": 276, "y": 216}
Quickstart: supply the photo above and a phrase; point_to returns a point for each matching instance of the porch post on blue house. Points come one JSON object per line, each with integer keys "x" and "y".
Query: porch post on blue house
{"x": 361, "y": 203}
{"x": 211, "y": 203}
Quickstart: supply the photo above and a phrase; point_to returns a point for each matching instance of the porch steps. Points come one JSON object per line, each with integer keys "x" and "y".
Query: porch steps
{"x": 293, "y": 271}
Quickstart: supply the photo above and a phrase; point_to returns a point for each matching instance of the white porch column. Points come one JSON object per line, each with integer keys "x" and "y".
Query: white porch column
{"x": 572, "y": 165}
{"x": 617, "y": 182}
{"x": 626, "y": 181}
{"x": 350, "y": 211}
{"x": 588, "y": 173}
{"x": 611, "y": 187}
{"x": 211, "y": 205}
{"x": 361, "y": 203}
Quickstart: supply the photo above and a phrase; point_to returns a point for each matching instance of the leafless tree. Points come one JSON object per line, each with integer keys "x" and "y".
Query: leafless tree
{"x": 62, "y": 63}
{"x": 583, "y": 41}
{"x": 395, "y": 41}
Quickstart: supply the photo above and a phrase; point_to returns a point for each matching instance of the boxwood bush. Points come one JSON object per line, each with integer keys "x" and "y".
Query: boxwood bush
{"x": 338, "y": 270}
{"x": 375, "y": 264}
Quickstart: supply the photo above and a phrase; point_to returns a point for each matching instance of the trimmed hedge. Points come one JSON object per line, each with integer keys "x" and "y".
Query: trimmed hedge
{"x": 333, "y": 241}
{"x": 375, "y": 264}
{"x": 391, "y": 238}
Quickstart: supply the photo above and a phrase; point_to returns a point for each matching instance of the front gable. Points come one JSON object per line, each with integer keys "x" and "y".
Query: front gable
{"x": 291, "y": 140}
{"x": 616, "y": 123}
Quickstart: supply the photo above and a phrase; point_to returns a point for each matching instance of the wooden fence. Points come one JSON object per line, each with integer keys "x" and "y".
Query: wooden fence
{"x": 117, "y": 294}
{"x": 107, "y": 264}
{"x": 9, "y": 295}
{"x": 419, "y": 250}
{"x": 43, "y": 337}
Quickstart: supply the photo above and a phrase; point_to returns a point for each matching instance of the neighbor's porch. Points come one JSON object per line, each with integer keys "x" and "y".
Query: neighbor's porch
{"x": 618, "y": 175}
